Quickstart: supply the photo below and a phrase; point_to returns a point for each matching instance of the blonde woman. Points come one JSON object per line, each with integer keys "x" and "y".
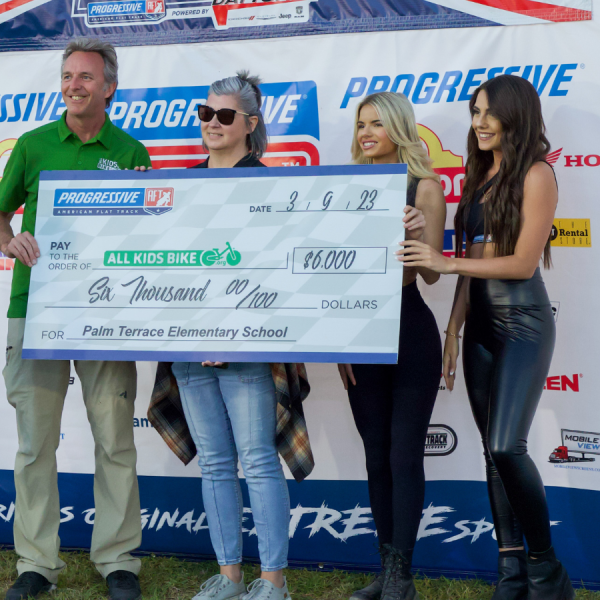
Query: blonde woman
{"x": 392, "y": 404}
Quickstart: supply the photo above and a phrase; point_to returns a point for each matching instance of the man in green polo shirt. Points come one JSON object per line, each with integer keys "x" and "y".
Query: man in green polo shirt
{"x": 83, "y": 139}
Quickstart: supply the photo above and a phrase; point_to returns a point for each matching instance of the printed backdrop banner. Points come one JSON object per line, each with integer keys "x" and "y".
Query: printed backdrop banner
{"x": 309, "y": 108}
{"x": 49, "y": 24}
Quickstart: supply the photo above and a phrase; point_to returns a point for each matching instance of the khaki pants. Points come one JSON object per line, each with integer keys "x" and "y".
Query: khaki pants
{"x": 37, "y": 389}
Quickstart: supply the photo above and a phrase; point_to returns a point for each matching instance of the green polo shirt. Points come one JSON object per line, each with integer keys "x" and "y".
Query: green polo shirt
{"x": 54, "y": 147}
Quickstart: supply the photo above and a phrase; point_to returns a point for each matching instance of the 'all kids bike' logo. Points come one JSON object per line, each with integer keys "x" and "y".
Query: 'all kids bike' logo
{"x": 173, "y": 258}
{"x": 115, "y": 201}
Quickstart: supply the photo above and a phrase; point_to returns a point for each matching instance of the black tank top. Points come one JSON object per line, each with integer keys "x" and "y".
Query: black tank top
{"x": 411, "y": 191}
{"x": 473, "y": 223}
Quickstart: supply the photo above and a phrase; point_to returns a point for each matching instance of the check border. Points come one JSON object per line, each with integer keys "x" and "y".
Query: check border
{"x": 388, "y": 169}
{"x": 351, "y": 170}
{"x": 240, "y": 356}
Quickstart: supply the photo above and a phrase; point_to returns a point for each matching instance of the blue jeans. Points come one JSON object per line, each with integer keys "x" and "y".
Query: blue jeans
{"x": 233, "y": 412}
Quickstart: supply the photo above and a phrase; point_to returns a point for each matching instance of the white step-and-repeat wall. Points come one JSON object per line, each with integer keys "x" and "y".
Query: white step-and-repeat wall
{"x": 312, "y": 86}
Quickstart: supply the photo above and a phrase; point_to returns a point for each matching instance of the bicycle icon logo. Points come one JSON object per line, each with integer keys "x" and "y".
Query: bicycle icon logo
{"x": 229, "y": 256}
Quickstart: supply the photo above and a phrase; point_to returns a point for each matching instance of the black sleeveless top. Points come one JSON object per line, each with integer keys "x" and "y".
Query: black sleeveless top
{"x": 247, "y": 161}
{"x": 473, "y": 223}
{"x": 411, "y": 191}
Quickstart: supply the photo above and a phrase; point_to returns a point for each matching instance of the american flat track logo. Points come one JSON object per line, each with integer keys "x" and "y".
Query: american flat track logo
{"x": 115, "y": 201}
{"x": 158, "y": 200}
{"x": 102, "y": 13}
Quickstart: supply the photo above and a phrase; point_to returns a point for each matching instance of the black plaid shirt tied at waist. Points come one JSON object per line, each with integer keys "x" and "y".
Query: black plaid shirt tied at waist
{"x": 291, "y": 384}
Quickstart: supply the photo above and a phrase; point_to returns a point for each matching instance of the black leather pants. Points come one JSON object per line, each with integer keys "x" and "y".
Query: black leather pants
{"x": 508, "y": 346}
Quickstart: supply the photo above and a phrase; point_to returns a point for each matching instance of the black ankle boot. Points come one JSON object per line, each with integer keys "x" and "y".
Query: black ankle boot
{"x": 548, "y": 579}
{"x": 373, "y": 591}
{"x": 399, "y": 584}
{"x": 512, "y": 576}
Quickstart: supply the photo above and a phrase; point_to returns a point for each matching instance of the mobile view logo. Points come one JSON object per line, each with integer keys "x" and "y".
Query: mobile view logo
{"x": 115, "y": 201}
{"x": 158, "y": 200}
{"x": 571, "y": 233}
{"x": 575, "y": 446}
{"x": 441, "y": 440}
{"x": 562, "y": 383}
{"x": 249, "y": 13}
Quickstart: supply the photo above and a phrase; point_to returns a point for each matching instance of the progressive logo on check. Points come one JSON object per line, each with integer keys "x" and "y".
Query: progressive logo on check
{"x": 115, "y": 201}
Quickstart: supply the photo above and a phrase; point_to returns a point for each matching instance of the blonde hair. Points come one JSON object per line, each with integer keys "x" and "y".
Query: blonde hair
{"x": 398, "y": 119}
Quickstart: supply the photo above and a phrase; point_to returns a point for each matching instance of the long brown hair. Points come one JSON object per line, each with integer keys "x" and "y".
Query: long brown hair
{"x": 516, "y": 104}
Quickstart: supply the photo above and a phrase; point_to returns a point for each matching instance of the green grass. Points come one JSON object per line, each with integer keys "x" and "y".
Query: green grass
{"x": 173, "y": 579}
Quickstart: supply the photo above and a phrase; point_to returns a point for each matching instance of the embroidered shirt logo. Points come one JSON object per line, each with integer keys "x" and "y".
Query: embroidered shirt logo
{"x": 108, "y": 165}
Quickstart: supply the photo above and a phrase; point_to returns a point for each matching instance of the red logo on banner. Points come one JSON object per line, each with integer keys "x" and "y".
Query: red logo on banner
{"x": 159, "y": 197}
{"x": 154, "y": 7}
{"x": 158, "y": 200}
{"x": 553, "y": 157}
{"x": 446, "y": 164}
{"x": 562, "y": 383}
{"x": 581, "y": 160}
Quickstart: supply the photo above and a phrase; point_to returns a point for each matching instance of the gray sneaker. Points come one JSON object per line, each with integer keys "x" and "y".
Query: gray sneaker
{"x": 220, "y": 587}
{"x": 261, "y": 589}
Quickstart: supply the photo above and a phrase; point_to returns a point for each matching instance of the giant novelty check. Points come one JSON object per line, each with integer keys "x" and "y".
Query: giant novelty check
{"x": 256, "y": 265}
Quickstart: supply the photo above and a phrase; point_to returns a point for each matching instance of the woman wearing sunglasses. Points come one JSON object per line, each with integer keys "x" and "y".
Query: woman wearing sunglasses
{"x": 233, "y": 129}
{"x": 231, "y": 409}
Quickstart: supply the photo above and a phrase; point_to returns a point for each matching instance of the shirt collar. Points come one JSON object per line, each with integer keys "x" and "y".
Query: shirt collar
{"x": 104, "y": 136}
{"x": 247, "y": 161}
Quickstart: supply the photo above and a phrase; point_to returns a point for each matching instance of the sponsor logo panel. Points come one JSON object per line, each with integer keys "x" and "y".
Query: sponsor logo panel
{"x": 113, "y": 201}
{"x": 563, "y": 383}
{"x": 571, "y": 233}
{"x": 577, "y": 447}
{"x": 134, "y": 12}
{"x": 174, "y": 258}
{"x": 166, "y": 121}
{"x": 171, "y": 113}
{"x": 441, "y": 440}
{"x": 458, "y": 86}
{"x": 6, "y": 264}
{"x": 582, "y": 160}
{"x": 246, "y": 13}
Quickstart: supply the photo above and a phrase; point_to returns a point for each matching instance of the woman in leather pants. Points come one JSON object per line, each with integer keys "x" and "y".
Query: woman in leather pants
{"x": 506, "y": 211}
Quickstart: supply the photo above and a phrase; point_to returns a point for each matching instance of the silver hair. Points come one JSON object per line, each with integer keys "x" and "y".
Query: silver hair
{"x": 245, "y": 87}
{"x": 105, "y": 50}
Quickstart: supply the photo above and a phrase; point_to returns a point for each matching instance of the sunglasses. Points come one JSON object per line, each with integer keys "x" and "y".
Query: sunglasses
{"x": 225, "y": 116}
